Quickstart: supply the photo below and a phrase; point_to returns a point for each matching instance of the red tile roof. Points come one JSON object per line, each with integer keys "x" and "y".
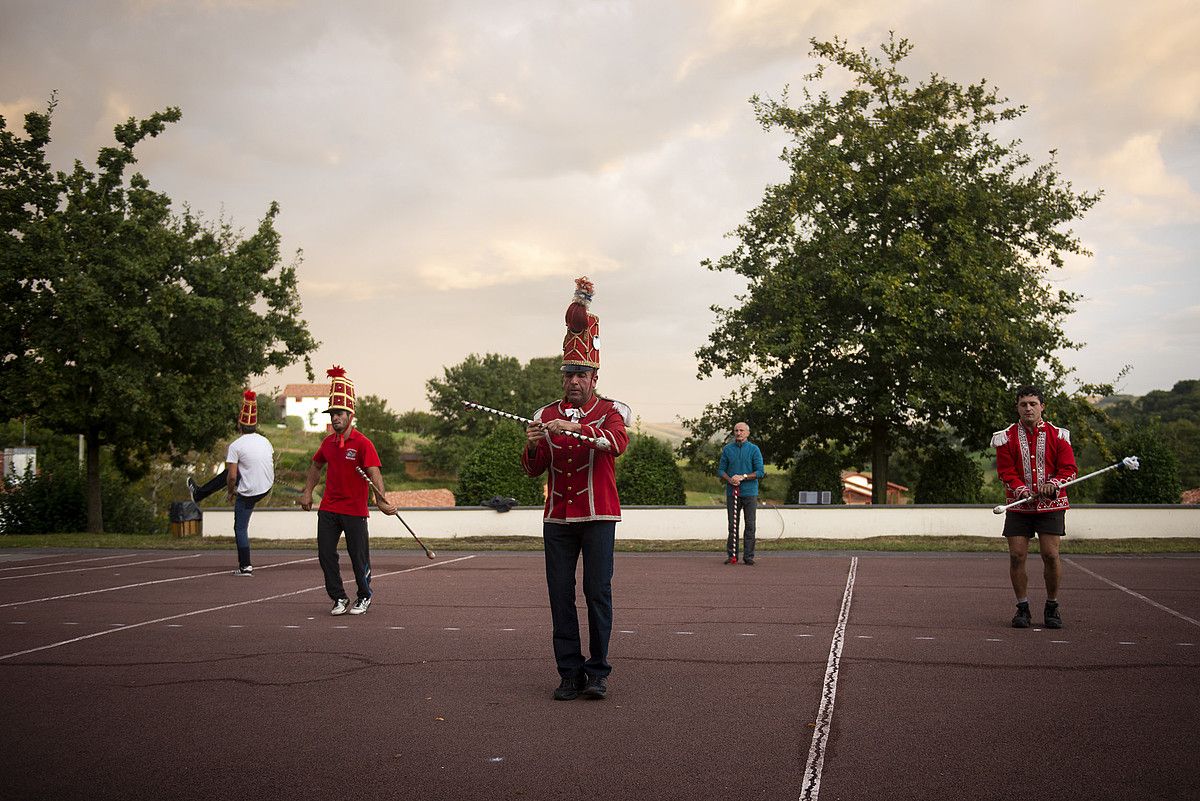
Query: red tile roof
{"x": 305, "y": 391}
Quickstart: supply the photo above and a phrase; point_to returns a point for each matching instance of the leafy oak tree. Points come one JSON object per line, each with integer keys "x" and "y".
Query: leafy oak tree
{"x": 129, "y": 324}
{"x": 493, "y": 380}
{"x": 897, "y": 278}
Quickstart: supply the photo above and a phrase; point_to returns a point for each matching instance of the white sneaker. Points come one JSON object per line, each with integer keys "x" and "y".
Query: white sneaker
{"x": 340, "y": 606}
{"x": 248, "y": 570}
{"x": 360, "y": 606}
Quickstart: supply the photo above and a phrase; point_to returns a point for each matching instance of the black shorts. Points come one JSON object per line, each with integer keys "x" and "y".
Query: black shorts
{"x": 1025, "y": 524}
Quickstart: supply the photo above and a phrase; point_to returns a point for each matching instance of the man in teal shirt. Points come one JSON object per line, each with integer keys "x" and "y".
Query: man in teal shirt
{"x": 741, "y": 466}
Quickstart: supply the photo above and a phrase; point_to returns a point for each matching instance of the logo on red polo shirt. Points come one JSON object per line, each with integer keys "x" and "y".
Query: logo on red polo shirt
{"x": 351, "y": 454}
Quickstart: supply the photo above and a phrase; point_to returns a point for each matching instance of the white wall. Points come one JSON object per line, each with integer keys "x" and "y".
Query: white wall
{"x": 708, "y": 523}
{"x": 310, "y": 410}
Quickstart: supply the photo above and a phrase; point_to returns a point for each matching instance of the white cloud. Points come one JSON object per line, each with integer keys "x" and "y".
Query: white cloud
{"x": 514, "y": 262}
{"x": 1141, "y": 184}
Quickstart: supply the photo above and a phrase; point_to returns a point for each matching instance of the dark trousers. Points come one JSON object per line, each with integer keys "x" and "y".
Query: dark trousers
{"x": 749, "y": 508}
{"x": 564, "y": 543}
{"x": 243, "y": 507}
{"x": 215, "y": 484}
{"x": 330, "y": 526}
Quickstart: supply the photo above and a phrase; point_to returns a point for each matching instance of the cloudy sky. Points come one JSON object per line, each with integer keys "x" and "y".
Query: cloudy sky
{"x": 448, "y": 167}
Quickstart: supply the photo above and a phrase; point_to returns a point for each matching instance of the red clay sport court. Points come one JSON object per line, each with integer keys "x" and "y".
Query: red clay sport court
{"x": 139, "y": 675}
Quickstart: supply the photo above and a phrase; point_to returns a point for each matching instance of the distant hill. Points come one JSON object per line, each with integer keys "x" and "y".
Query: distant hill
{"x": 673, "y": 433}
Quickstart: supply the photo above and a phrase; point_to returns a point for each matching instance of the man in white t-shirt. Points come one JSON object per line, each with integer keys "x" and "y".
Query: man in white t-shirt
{"x": 247, "y": 478}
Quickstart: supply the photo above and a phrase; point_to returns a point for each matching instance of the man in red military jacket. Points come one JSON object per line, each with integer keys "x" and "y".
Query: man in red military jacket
{"x": 1033, "y": 458}
{"x": 582, "y": 507}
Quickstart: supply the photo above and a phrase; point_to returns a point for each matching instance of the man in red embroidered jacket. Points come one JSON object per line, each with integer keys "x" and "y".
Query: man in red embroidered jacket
{"x": 582, "y": 507}
{"x": 1033, "y": 458}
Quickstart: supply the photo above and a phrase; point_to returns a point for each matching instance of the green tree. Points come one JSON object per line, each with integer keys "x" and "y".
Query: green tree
{"x": 499, "y": 382}
{"x": 371, "y": 413}
{"x": 1157, "y": 480}
{"x": 647, "y": 474}
{"x": 816, "y": 469}
{"x": 493, "y": 468}
{"x": 897, "y": 279}
{"x": 130, "y": 325}
{"x": 948, "y": 475}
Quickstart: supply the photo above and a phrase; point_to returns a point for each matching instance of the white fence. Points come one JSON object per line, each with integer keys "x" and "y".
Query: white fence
{"x": 708, "y": 523}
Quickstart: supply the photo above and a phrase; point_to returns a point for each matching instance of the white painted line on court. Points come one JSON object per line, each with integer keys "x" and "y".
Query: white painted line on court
{"x": 102, "y": 567}
{"x": 147, "y": 583}
{"x": 1126, "y": 642}
{"x": 215, "y": 609}
{"x": 811, "y": 785}
{"x": 1138, "y": 595}
{"x": 69, "y": 562}
{"x": 924, "y": 638}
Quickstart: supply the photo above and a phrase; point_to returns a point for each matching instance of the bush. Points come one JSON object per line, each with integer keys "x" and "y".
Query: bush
{"x": 815, "y": 470}
{"x": 647, "y": 474}
{"x": 948, "y": 475}
{"x": 1157, "y": 481}
{"x": 55, "y": 502}
{"x": 493, "y": 468}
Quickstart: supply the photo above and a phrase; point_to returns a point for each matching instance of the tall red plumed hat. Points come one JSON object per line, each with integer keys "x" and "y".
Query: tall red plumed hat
{"x": 249, "y": 413}
{"x": 581, "y": 345}
{"x": 341, "y": 390}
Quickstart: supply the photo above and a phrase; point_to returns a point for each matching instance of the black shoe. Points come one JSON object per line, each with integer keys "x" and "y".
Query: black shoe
{"x": 1053, "y": 621}
{"x": 1022, "y": 619}
{"x": 749, "y": 560}
{"x": 569, "y": 687}
{"x": 192, "y": 489}
{"x": 596, "y": 688}
{"x": 731, "y": 560}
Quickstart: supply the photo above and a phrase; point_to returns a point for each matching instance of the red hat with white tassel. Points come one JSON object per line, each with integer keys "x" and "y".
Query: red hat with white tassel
{"x": 581, "y": 346}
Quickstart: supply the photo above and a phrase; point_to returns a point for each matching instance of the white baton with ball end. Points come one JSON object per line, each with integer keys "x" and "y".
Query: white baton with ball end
{"x": 1128, "y": 463}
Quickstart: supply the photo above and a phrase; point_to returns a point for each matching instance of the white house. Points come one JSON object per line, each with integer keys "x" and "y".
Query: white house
{"x": 308, "y": 402}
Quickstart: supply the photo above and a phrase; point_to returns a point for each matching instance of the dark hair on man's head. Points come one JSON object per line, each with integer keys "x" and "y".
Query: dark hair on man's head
{"x": 1030, "y": 389}
{"x": 247, "y": 429}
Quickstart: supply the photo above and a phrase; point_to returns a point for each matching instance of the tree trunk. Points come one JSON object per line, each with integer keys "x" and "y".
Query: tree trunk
{"x": 880, "y": 451}
{"x": 95, "y": 513}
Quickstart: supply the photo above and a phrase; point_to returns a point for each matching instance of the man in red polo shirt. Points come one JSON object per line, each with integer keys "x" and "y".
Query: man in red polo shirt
{"x": 344, "y": 504}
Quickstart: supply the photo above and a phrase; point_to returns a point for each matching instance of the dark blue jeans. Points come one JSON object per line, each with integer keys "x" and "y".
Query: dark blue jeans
{"x": 243, "y": 507}
{"x": 748, "y": 505}
{"x": 564, "y": 543}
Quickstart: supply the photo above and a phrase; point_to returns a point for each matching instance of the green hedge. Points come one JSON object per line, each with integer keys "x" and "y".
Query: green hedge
{"x": 493, "y": 468}
{"x": 1157, "y": 481}
{"x": 647, "y": 474}
{"x": 948, "y": 475}
{"x": 815, "y": 470}
{"x": 55, "y": 502}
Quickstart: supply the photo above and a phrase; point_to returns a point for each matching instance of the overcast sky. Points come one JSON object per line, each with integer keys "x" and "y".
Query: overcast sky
{"x": 447, "y": 168}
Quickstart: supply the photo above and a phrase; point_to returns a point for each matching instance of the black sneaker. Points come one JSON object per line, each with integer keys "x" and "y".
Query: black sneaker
{"x": 596, "y": 688}
{"x": 731, "y": 560}
{"x": 1053, "y": 621}
{"x": 1022, "y": 619}
{"x": 569, "y": 687}
{"x": 749, "y": 560}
